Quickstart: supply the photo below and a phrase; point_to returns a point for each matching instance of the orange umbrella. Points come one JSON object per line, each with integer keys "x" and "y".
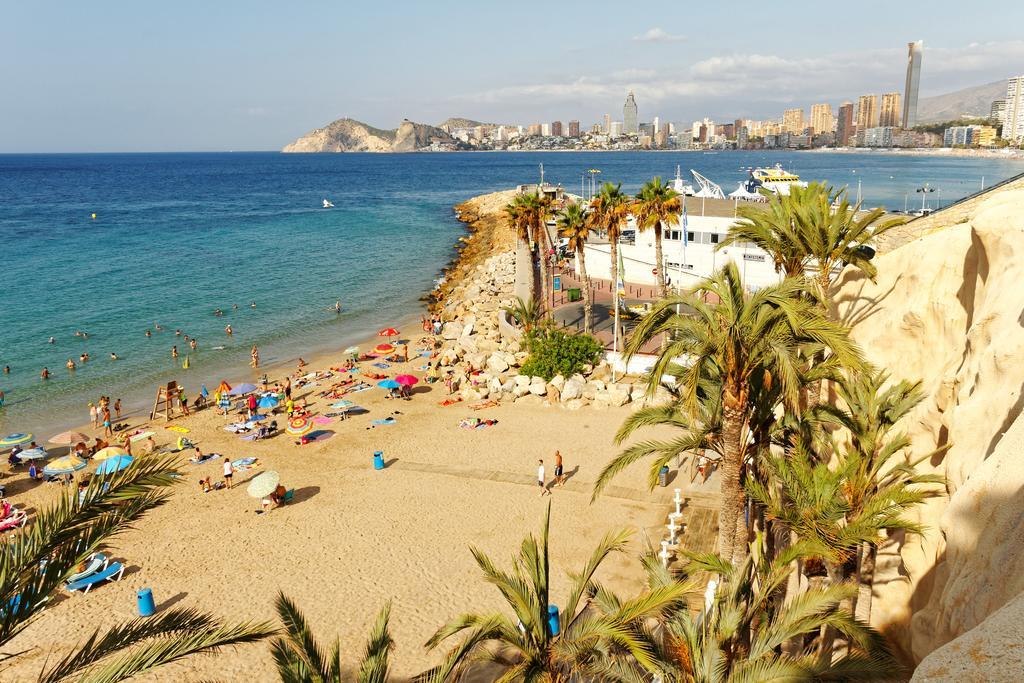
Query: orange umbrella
{"x": 223, "y": 387}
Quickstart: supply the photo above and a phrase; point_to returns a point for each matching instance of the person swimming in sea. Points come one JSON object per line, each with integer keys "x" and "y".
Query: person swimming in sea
{"x": 113, "y": 356}
{"x": 70, "y": 365}
{"x": 174, "y": 351}
{"x": 234, "y": 307}
{"x": 156, "y": 326}
{"x": 227, "y": 330}
{"x": 148, "y": 334}
{"x": 52, "y": 341}
{"x": 192, "y": 343}
{"x": 218, "y": 312}
{"x": 45, "y": 374}
{"x": 252, "y": 304}
{"x": 336, "y": 307}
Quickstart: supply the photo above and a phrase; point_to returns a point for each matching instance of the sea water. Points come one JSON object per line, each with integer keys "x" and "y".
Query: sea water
{"x": 176, "y": 236}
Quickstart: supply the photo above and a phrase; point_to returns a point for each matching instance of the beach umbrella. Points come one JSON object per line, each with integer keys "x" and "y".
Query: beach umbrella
{"x": 388, "y": 384}
{"x": 33, "y": 454}
{"x": 109, "y": 452}
{"x": 64, "y": 465}
{"x": 267, "y": 402}
{"x": 223, "y": 387}
{"x": 68, "y": 438}
{"x": 115, "y": 464}
{"x": 243, "y": 388}
{"x": 338, "y": 405}
{"x": 262, "y": 485}
{"x": 388, "y": 332}
{"x": 140, "y": 437}
{"x": 298, "y": 426}
{"x": 204, "y": 392}
{"x": 406, "y": 380}
{"x": 383, "y": 348}
{"x": 12, "y": 440}
{"x": 351, "y": 349}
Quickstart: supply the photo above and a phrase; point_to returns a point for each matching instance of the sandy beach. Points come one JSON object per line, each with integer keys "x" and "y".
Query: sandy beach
{"x": 355, "y": 537}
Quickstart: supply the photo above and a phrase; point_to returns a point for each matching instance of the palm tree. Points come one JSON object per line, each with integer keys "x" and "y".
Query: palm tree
{"x": 608, "y": 214}
{"x": 536, "y": 212}
{"x": 35, "y": 564}
{"x": 300, "y": 659}
{"x": 746, "y": 342}
{"x": 573, "y": 225}
{"x": 526, "y": 313}
{"x": 656, "y": 207}
{"x": 590, "y": 640}
{"x": 739, "y": 639}
{"x": 773, "y": 228}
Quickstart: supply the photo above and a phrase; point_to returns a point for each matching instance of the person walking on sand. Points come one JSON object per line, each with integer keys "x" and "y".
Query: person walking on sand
{"x": 255, "y": 356}
{"x": 559, "y": 472}
{"x": 107, "y": 427}
{"x": 117, "y": 408}
{"x": 228, "y": 471}
{"x": 544, "y": 490}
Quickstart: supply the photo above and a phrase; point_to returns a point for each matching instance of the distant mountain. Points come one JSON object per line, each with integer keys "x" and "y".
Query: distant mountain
{"x": 976, "y": 101}
{"x": 349, "y": 135}
{"x": 455, "y": 122}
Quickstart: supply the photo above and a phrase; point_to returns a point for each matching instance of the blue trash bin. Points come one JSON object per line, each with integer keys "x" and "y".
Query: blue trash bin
{"x": 553, "y": 626}
{"x": 663, "y": 475}
{"x": 378, "y": 460}
{"x": 144, "y": 599}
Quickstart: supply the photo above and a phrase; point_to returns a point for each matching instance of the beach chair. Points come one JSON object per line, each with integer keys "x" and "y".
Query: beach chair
{"x": 16, "y": 519}
{"x": 113, "y": 572}
{"x": 97, "y": 563}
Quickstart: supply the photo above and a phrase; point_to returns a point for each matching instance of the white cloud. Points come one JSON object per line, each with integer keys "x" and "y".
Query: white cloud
{"x": 658, "y": 35}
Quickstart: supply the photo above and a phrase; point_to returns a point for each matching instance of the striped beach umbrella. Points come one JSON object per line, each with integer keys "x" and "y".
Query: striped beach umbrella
{"x": 12, "y": 440}
{"x": 109, "y": 452}
{"x": 388, "y": 332}
{"x": 69, "y": 438}
{"x": 114, "y": 464}
{"x": 299, "y": 426}
{"x": 64, "y": 465}
{"x": 407, "y": 380}
{"x": 33, "y": 454}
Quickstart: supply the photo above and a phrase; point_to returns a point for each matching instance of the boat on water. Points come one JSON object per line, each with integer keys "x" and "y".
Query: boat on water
{"x": 328, "y": 204}
{"x": 681, "y": 186}
{"x": 775, "y": 179}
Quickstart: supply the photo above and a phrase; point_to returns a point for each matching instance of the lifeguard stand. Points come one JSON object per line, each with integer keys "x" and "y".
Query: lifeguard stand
{"x": 167, "y": 397}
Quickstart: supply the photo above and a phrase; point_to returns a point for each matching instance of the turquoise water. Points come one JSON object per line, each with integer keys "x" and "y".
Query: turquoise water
{"x": 178, "y": 235}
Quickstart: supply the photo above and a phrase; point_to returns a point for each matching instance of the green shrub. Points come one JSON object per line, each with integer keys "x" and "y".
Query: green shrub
{"x": 554, "y": 352}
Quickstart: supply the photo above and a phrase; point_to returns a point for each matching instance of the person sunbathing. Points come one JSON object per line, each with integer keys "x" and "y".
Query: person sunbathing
{"x": 374, "y": 375}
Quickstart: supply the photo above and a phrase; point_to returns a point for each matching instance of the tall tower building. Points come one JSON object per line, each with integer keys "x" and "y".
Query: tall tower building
{"x": 556, "y": 128}
{"x": 607, "y": 124}
{"x": 793, "y": 121}
{"x": 867, "y": 112}
{"x": 574, "y": 128}
{"x": 914, "y": 52}
{"x": 821, "y": 118}
{"x": 656, "y": 124}
{"x": 1013, "y": 115}
{"x": 890, "y": 114}
{"x": 844, "y": 124}
{"x": 629, "y": 120}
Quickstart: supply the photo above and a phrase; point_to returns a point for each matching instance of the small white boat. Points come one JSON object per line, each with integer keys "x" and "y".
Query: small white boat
{"x": 328, "y": 204}
{"x": 682, "y": 187}
{"x": 775, "y": 179}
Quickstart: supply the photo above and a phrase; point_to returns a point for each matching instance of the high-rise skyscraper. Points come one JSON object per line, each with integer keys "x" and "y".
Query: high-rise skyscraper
{"x": 607, "y": 124}
{"x": 867, "y": 112}
{"x": 914, "y": 52}
{"x": 793, "y": 121}
{"x": 574, "y": 128}
{"x": 1013, "y": 116}
{"x": 556, "y": 128}
{"x": 844, "y": 124}
{"x": 629, "y": 113}
{"x": 656, "y": 124}
{"x": 890, "y": 114}
{"x": 821, "y": 118}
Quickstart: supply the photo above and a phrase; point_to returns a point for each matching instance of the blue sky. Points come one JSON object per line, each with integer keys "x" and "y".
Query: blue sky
{"x": 222, "y": 75}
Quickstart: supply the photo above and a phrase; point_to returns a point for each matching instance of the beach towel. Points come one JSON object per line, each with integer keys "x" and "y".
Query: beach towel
{"x": 176, "y": 428}
{"x": 208, "y": 456}
{"x": 449, "y": 401}
{"x": 424, "y": 354}
{"x": 382, "y": 366}
{"x": 322, "y": 420}
{"x": 480, "y": 405}
{"x": 244, "y": 463}
{"x": 385, "y": 421}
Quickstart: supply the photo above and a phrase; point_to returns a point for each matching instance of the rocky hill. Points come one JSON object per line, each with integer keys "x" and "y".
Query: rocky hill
{"x": 946, "y": 309}
{"x": 975, "y": 101}
{"x": 349, "y": 135}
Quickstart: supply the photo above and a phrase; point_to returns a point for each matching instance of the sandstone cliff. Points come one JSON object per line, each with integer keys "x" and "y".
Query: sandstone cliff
{"x": 948, "y": 309}
{"x": 349, "y": 135}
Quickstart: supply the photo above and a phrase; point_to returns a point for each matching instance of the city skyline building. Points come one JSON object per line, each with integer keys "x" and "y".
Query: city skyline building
{"x": 556, "y": 128}
{"x": 867, "y": 112}
{"x": 1013, "y": 116}
{"x": 793, "y": 121}
{"x": 915, "y": 51}
{"x": 822, "y": 120}
{"x": 574, "y": 128}
{"x": 629, "y": 115}
{"x": 844, "y": 124}
{"x": 890, "y": 111}
{"x": 607, "y": 123}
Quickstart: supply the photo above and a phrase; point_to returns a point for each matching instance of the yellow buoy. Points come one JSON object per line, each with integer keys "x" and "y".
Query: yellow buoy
{"x": 94, "y": 216}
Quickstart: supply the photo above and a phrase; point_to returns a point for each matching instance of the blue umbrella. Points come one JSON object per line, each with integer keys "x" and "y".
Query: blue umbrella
{"x": 267, "y": 402}
{"x": 33, "y": 454}
{"x": 244, "y": 388}
{"x": 115, "y": 464}
{"x": 204, "y": 392}
{"x": 388, "y": 384}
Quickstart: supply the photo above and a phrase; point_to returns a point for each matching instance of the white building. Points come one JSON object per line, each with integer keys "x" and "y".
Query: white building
{"x": 545, "y": 129}
{"x": 685, "y": 266}
{"x": 1013, "y": 114}
{"x": 616, "y": 130}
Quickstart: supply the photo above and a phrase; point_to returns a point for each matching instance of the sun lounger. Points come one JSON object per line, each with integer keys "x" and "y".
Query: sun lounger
{"x": 97, "y": 563}
{"x": 14, "y": 520}
{"x": 113, "y": 572}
